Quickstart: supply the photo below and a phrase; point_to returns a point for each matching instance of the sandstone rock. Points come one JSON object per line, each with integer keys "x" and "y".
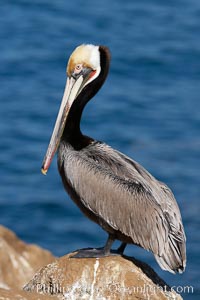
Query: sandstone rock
{"x": 15, "y": 294}
{"x": 19, "y": 261}
{"x": 107, "y": 278}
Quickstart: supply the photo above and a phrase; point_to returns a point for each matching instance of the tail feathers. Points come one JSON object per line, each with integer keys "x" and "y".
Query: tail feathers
{"x": 173, "y": 258}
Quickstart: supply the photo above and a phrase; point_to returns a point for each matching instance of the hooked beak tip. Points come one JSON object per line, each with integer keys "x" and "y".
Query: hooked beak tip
{"x": 44, "y": 172}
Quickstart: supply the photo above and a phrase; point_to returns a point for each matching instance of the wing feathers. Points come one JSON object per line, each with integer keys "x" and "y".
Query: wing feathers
{"x": 130, "y": 200}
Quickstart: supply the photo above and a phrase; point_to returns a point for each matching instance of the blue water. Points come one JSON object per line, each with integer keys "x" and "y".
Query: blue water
{"x": 149, "y": 108}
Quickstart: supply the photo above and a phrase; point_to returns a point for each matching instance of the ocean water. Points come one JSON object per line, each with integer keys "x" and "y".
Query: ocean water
{"x": 149, "y": 108}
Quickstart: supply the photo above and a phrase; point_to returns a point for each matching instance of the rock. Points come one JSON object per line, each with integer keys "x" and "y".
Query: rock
{"x": 15, "y": 294}
{"x": 113, "y": 277}
{"x": 18, "y": 263}
{"x": 106, "y": 278}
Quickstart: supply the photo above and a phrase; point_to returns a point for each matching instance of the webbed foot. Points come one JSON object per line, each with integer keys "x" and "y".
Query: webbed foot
{"x": 93, "y": 252}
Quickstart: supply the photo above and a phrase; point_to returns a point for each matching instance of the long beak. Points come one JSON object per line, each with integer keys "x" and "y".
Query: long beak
{"x": 72, "y": 89}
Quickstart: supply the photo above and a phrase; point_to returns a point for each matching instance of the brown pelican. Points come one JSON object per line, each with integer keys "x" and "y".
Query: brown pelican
{"x": 110, "y": 188}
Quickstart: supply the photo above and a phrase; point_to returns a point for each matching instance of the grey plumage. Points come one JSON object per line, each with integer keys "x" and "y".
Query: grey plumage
{"x": 111, "y": 189}
{"x": 127, "y": 201}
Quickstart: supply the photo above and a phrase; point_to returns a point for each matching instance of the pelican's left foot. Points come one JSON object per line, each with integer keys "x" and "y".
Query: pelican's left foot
{"x": 93, "y": 253}
{"x": 99, "y": 252}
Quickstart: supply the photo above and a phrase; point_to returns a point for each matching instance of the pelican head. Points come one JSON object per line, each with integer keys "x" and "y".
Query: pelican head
{"x": 83, "y": 67}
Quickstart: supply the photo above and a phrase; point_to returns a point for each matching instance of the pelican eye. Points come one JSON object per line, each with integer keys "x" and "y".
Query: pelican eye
{"x": 78, "y": 68}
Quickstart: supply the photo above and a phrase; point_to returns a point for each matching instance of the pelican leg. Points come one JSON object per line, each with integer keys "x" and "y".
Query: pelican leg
{"x": 121, "y": 248}
{"x": 108, "y": 245}
{"x": 97, "y": 252}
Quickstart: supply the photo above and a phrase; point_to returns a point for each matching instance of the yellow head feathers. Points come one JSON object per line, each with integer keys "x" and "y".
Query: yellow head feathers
{"x": 87, "y": 55}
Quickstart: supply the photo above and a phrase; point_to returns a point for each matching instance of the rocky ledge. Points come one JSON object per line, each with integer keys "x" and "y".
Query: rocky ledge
{"x": 45, "y": 277}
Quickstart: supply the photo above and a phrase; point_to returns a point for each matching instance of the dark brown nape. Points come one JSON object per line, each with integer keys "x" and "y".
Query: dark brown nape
{"x": 72, "y": 133}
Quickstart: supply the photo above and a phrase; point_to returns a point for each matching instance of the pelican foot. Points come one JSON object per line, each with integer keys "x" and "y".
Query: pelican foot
{"x": 94, "y": 253}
